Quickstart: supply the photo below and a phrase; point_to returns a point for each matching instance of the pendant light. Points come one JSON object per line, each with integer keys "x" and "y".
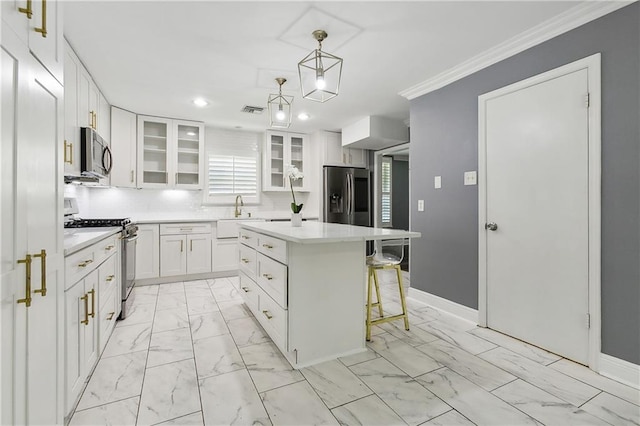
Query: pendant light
{"x": 320, "y": 72}
{"x": 280, "y": 107}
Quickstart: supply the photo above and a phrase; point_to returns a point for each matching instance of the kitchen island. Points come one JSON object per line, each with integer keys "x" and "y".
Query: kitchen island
{"x": 306, "y": 285}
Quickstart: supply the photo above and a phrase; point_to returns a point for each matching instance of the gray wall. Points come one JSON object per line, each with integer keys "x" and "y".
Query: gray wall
{"x": 444, "y": 141}
{"x": 400, "y": 194}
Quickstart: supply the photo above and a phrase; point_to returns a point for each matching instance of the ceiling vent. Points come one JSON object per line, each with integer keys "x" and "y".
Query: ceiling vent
{"x": 252, "y": 109}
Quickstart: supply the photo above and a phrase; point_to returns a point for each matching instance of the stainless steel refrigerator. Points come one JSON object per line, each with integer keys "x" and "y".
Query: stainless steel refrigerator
{"x": 347, "y": 195}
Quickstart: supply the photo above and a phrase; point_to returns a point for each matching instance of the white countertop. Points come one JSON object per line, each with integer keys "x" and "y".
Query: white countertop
{"x": 163, "y": 218}
{"x": 75, "y": 239}
{"x": 320, "y": 232}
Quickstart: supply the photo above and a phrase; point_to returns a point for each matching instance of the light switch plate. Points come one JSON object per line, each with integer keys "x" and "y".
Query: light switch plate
{"x": 420, "y": 205}
{"x": 470, "y": 178}
{"x": 437, "y": 182}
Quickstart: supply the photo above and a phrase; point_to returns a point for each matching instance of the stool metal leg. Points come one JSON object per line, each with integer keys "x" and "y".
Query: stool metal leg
{"x": 369, "y": 305}
{"x": 375, "y": 280}
{"x": 402, "y": 300}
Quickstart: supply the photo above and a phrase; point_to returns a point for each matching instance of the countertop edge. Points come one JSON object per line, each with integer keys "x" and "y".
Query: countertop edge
{"x": 88, "y": 242}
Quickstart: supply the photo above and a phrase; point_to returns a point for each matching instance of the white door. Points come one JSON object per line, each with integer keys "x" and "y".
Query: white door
{"x": 173, "y": 255}
{"x": 199, "y": 254}
{"x": 148, "y": 252}
{"x": 537, "y": 195}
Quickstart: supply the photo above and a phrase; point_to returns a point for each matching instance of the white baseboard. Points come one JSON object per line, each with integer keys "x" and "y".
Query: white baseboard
{"x": 444, "y": 305}
{"x": 619, "y": 370}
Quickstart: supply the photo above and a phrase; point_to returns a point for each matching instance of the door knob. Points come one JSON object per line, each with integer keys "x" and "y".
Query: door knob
{"x": 491, "y": 226}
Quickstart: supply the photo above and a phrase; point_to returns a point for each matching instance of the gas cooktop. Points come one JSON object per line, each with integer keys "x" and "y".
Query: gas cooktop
{"x": 96, "y": 223}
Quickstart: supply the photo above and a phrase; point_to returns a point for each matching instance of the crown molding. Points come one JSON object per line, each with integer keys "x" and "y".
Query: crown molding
{"x": 562, "y": 23}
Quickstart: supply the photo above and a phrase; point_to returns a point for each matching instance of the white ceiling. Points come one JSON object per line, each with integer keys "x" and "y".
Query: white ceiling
{"x": 155, "y": 57}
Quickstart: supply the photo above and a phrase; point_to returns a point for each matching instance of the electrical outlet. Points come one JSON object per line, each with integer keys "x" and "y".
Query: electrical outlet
{"x": 420, "y": 205}
{"x": 437, "y": 182}
{"x": 470, "y": 178}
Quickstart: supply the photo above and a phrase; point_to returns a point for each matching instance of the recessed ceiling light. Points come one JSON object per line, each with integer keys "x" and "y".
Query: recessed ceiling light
{"x": 303, "y": 116}
{"x": 200, "y": 102}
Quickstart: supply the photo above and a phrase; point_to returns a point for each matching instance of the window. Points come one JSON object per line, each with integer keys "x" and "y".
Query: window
{"x": 233, "y": 167}
{"x": 385, "y": 198}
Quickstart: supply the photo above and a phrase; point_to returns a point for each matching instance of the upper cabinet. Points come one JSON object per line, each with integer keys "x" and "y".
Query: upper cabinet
{"x": 38, "y": 24}
{"x": 123, "y": 148}
{"x": 170, "y": 153}
{"x": 283, "y": 149}
{"x": 334, "y": 154}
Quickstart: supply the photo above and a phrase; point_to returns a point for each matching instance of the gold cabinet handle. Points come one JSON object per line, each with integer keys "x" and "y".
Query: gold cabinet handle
{"x": 85, "y": 321}
{"x": 110, "y": 317}
{"x": 27, "y": 10}
{"x": 246, "y": 289}
{"x": 191, "y": 245}
{"x": 27, "y": 298}
{"x": 267, "y": 314}
{"x": 267, "y": 246}
{"x": 95, "y": 120}
{"x": 43, "y": 30}
{"x": 244, "y": 260}
{"x": 43, "y": 273}
{"x": 244, "y": 237}
{"x": 68, "y": 147}
{"x": 109, "y": 248}
{"x": 131, "y": 176}
{"x": 110, "y": 278}
{"x": 181, "y": 245}
{"x": 268, "y": 276}
{"x": 71, "y": 153}
{"x": 85, "y": 263}
{"x": 93, "y": 303}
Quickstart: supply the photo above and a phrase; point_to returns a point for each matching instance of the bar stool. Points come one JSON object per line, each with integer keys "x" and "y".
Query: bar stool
{"x": 388, "y": 258}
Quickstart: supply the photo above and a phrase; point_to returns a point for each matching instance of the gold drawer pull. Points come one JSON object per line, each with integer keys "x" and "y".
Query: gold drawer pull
{"x": 110, "y": 317}
{"x": 267, "y": 314}
{"x": 85, "y": 263}
{"x": 27, "y": 297}
{"x": 43, "y": 29}
{"x": 110, "y": 278}
{"x": 268, "y": 276}
{"x": 28, "y": 11}
{"x": 267, "y": 246}
{"x": 85, "y": 321}
{"x": 245, "y": 260}
{"x": 244, "y": 237}
{"x": 93, "y": 303}
{"x": 43, "y": 273}
{"x": 246, "y": 289}
{"x": 108, "y": 248}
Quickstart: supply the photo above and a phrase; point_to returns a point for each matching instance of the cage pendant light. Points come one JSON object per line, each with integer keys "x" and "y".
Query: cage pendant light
{"x": 280, "y": 107}
{"x": 320, "y": 72}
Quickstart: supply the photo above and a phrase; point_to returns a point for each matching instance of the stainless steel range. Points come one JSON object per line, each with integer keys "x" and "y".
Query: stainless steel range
{"x": 127, "y": 252}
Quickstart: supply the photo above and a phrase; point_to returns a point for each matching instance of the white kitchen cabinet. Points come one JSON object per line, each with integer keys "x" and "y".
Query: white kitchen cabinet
{"x": 32, "y": 322}
{"x": 71, "y": 128}
{"x": 40, "y": 30}
{"x": 170, "y": 153}
{"x": 109, "y": 290}
{"x": 148, "y": 251}
{"x": 88, "y": 100}
{"x": 281, "y": 150}
{"x": 356, "y": 157}
{"x": 123, "y": 148}
{"x": 334, "y": 154}
{"x": 103, "y": 119}
{"x": 225, "y": 255}
{"x": 185, "y": 248}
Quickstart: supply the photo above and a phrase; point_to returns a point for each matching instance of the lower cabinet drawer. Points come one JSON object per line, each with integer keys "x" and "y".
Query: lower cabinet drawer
{"x": 107, "y": 279}
{"x": 274, "y": 320}
{"x": 273, "y": 247}
{"x": 106, "y": 247}
{"x": 247, "y": 260}
{"x": 108, "y": 314}
{"x": 272, "y": 277}
{"x": 249, "y": 291}
{"x": 78, "y": 265}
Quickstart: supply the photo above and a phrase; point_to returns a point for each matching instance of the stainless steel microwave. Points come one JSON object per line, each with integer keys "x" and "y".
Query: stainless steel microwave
{"x": 96, "y": 159}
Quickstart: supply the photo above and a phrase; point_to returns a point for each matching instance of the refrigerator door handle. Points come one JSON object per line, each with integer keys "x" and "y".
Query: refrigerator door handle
{"x": 351, "y": 198}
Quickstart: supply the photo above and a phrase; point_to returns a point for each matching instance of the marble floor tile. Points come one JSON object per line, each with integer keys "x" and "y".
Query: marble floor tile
{"x": 202, "y": 305}
{"x": 118, "y": 413}
{"x": 308, "y": 408}
{"x": 514, "y": 345}
{"x": 613, "y": 410}
{"x": 473, "y": 402}
{"x": 234, "y": 309}
{"x": 450, "y": 418}
{"x": 170, "y": 346}
{"x": 177, "y": 287}
{"x": 543, "y": 406}
{"x": 412, "y": 402}
{"x": 590, "y": 377}
{"x": 367, "y": 355}
{"x": 169, "y": 391}
{"x": 231, "y": 399}
{"x": 335, "y": 383}
{"x": 171, "y": 300}
{"x": 402, "y": 355}
{"x": 415, "y": 336}
{"x": 247, "y": 331}
{"x": 216, "y": 355}
{"x": 196, "y": 283}
{"x": 207, "y": 325}
{"x": 146, "y": 289}
{"x": 370, "y": 410}
{"x": 547, "y": 379}
{"x": 197, "y": 292}
{"x": 139, "y": 313}
{"x": 170, "y": 319}
{"x": 268, "y": 367}
{"x": 114, "y": 378}
{"x": 474, "y": 369}
{"x": 127, "y": 339}
{"x": 194, "y": 419}
{"x": 225, "y": 292}
{"x": 457, "y": 337}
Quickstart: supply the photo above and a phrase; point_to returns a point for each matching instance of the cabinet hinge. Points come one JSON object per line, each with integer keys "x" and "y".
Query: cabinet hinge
{"x": 588, "y": 320}
{"x": 587, "y": 100}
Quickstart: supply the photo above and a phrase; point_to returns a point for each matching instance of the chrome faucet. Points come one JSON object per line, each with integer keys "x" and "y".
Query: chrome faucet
{"x": 238, "y": 211}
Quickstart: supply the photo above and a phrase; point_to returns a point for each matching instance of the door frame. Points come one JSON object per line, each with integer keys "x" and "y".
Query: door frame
{"x": 592, "y": 65}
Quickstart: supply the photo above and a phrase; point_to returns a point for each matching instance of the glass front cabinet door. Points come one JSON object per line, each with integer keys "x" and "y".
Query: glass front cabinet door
{"x": 283, "y": 149}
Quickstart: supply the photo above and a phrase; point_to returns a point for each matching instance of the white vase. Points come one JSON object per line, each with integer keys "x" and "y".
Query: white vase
{"x": 296, "y": 219}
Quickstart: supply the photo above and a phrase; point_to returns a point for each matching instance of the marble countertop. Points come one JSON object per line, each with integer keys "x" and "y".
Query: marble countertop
{"x": 160, "y": 218}
{"x": 320, "y": 232}
{"x": 75, "y": 239}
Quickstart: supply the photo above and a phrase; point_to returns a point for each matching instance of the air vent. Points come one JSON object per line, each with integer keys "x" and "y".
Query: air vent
{"x": 252, "y": 109}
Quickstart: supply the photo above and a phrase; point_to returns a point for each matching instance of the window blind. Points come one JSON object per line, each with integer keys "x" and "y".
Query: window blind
{"x": 385, "y": 199}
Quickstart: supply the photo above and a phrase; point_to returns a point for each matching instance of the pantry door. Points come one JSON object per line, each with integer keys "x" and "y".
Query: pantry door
{"x": 538, "y": 176}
